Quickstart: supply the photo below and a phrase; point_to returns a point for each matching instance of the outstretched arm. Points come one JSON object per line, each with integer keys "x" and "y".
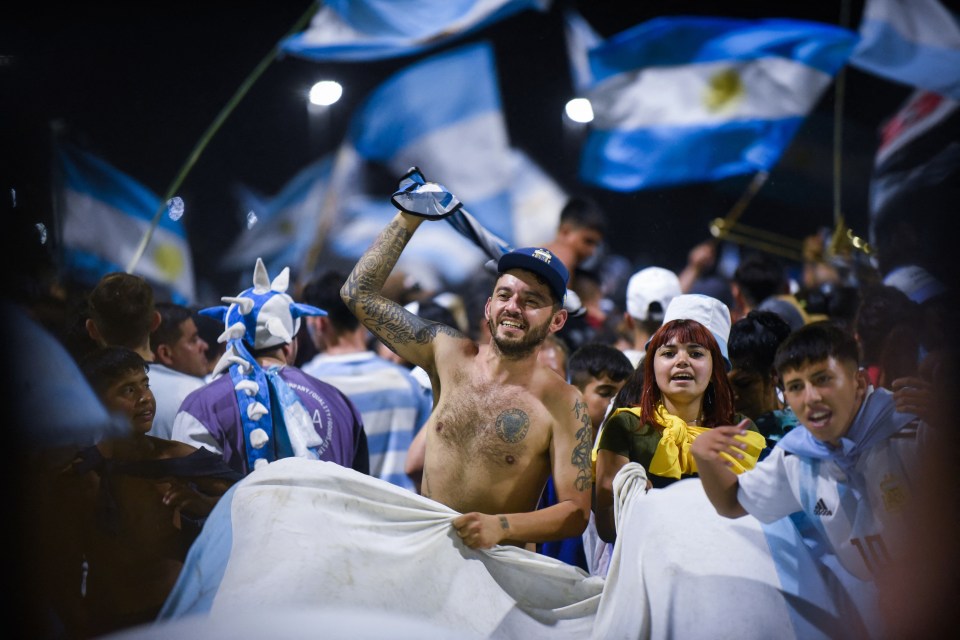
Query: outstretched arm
{"x": 719, "y": 481}
{"x": 406, "y": 334}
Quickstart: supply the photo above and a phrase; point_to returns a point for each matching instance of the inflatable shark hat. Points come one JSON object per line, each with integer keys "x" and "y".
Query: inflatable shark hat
{"x": 260, "y": 317}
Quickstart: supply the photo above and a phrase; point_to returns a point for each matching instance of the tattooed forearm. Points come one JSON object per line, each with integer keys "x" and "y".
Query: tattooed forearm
{"x": 581, "y": 452}
{"x": 371, "y": 271}
{"x": 384, "y": 317}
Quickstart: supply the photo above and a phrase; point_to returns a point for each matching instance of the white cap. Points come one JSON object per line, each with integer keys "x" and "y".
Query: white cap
{"x": 653, "y": 284}
{"x": 708, "y": 311}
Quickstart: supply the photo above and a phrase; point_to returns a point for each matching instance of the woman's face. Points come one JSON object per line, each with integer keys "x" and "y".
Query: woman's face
{"x": 682, "y": 370}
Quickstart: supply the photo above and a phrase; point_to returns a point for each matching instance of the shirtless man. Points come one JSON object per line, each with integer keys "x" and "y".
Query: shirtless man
{"x": 502, "y": 422}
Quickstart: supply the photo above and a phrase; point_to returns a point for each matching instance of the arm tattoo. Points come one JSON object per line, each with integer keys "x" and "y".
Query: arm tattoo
{"x": 384, "y": 317}
{"x": 581, "y": 453}
{"x": 503, "y": 523}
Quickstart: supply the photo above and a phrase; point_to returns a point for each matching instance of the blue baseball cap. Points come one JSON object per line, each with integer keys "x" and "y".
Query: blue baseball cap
{"x": 541, "y": 262}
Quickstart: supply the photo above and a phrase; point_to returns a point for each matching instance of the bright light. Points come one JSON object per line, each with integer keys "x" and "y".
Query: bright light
{"x": 325, "y": 92}
{"x": 579, "y": 110}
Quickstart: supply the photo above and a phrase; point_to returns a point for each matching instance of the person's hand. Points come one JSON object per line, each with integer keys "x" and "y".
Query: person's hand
{"x": 708, "y": 446}
{"x": 812, "y": 247}
{"x": 481, "y": 530}
{"x": 184, "y": 497}
{"x": 913, "y": 395}
{"x": 703, "y": 256}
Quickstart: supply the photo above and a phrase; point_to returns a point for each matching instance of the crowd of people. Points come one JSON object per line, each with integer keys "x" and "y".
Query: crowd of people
{"x": 819, "y": 391}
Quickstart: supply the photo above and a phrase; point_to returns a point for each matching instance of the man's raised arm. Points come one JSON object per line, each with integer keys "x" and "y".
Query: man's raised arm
{"x": 406, "y": 334}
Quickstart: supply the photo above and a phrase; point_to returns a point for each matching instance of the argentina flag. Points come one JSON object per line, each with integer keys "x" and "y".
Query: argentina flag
{"x": 681, "y": 100}
{"x": 354, "y": 30}
{"x": 444, "y": 115}
{"x": 913, "y": 42}
{"x": 280, "y": 231}
{"x": 105, "y": 215}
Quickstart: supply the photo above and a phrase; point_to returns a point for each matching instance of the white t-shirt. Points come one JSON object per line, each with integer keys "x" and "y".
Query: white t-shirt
{"x": 859, "y": 514}
{"x": 169, "y": 387}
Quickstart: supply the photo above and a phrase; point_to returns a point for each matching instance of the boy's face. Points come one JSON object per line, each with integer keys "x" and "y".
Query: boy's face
{"x": 825, "y": 396}
{"x": 598, "y": 393}
{"x": 130, "y": 396}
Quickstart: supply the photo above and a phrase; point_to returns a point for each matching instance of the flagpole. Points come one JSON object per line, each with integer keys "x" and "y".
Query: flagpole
{"x": 214, "y": 127}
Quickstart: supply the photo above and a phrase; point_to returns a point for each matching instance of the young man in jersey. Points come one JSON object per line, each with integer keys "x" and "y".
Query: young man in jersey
{"x": 849, "y": 470}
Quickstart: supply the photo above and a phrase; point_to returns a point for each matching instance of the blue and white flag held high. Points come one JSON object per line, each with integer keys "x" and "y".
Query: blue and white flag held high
{"x": 105, "y": 215}
{"x": 913, "y": 42}
{"x": 581, "y": 39}
{"x": 680, "y": 100}
{"x": 284, "y": 224}
{"x": 443, "y": 114}
{"x": 354, "y": 30}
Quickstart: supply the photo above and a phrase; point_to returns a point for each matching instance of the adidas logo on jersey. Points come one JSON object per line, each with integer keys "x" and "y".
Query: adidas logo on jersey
{"x": 820, "y": 509}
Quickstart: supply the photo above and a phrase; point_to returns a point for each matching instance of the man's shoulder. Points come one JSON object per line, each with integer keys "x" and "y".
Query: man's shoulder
{"x": 559, "y": 396}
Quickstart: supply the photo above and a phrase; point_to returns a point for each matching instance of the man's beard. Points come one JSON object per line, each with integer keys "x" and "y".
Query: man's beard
{"x": 518, "y": 349}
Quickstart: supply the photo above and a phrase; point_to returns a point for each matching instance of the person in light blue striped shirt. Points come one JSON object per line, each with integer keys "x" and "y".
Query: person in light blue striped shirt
{"x": 393, "y": 404}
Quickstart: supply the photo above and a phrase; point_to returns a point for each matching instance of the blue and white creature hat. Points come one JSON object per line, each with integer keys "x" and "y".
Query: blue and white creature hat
{"x": 261, "y": 317}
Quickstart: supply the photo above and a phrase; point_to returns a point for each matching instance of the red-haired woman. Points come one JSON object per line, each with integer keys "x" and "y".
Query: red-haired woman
{"x": 685, "y": 391}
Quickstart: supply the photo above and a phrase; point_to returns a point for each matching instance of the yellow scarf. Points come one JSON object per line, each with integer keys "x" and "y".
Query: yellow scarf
{"x": 672, "y": 458}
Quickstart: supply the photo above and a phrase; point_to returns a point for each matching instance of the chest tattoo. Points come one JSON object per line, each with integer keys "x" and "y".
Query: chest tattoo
{"x": 512, "y": 425}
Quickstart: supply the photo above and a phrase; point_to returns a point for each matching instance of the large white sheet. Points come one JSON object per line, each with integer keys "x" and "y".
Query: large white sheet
{"x": 315, "y": 542}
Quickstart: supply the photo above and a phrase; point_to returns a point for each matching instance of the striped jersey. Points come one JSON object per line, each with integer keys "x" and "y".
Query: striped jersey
{"x": 856, "y": 504}
{"x": 392, "y": 403}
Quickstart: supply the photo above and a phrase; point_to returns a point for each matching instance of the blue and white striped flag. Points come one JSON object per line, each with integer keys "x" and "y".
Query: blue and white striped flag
{"x": 680, "y": 100}
{"x": 913, "y": 42}
{"x": 443, "y": 114}
{"x": 354, "y": 30}
{"x": 284, "y": 225}
{"x": 106, "y": 213}
{"x": 580, "y": 39}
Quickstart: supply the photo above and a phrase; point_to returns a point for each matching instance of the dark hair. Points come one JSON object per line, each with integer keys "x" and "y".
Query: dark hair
{"x": 815, "y": 342}
{"x": 631, "y": 392}
{"x": 168, "y": 331}
{"x": 760, "y": 276}
{"x": 596, "y": 359}
{"x": 210, "y": 330}
{"x": 121, "y": 305}
{"x": 718, "y": 407}
{"x": 882, "y": 308}
{"x": 836, "y": 301}
{"x": 754, "y": 340}
{"x": 324, "y": 291}
{"x": 104, "y": 366}
{"x": 582, "y": 211}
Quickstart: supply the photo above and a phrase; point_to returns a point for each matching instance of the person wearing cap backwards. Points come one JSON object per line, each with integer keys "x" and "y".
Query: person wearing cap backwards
{"x": 649, "y": 292}
{"x": 503, "y": 422}
{"x": 263, "y": 408}
{"x": 685, "y": 393}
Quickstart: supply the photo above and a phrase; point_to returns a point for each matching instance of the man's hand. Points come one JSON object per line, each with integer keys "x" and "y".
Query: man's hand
{"x": 185, "y": 497}
{"x": 716, "y": 471}
{"x": 428, "y": 200}
{"x": 480, "y": 530}
{"x": 708, "y": 446}
{"x": 914, "y": 395}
